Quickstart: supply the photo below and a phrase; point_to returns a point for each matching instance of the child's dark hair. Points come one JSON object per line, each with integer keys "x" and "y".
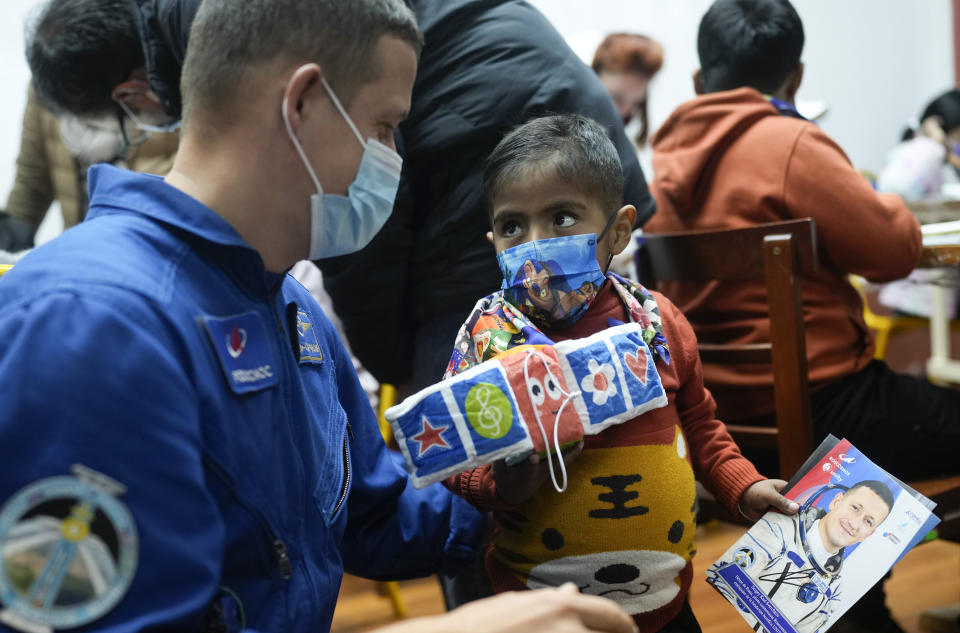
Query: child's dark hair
{"x": 749, "y": 43}
{"x": 577, "y": 148}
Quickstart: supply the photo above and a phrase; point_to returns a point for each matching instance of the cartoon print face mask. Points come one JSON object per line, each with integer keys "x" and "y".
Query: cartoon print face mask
{"x": 553, "y": 281}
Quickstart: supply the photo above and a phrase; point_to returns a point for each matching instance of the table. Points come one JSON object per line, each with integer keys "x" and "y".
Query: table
{"x": 941, "y": 365}
{"x": 930, "y": 211}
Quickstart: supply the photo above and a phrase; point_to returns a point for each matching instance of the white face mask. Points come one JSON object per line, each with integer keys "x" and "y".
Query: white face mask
{"x": 340, "y": 225}
{"x": 144, "y": 126}
{"x": 92, "y": 141}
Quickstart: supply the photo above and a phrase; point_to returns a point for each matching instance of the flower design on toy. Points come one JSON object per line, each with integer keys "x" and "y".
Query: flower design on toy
{"x": 599, "y": 382}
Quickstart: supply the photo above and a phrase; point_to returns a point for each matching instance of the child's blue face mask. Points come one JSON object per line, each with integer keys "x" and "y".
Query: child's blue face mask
{"x": 553, "y": 281}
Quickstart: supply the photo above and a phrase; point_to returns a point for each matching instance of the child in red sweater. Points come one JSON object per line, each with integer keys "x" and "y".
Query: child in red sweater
{"x": 624, "y": 526}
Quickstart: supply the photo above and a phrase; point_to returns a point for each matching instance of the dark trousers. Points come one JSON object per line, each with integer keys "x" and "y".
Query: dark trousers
{"x": 906, "y": 426}
{"x": 685, "y": 622}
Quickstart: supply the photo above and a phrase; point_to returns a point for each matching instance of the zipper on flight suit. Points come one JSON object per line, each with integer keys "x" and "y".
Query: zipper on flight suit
{"x": 279, "y": 556}
{"x": 348, "y": 437}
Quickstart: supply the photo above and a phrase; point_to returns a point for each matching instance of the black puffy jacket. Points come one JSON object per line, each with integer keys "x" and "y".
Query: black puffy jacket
{"x": 486, "y": 66}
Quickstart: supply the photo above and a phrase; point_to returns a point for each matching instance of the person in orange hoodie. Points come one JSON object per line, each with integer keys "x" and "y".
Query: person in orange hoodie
{"x": 739, "y": 155}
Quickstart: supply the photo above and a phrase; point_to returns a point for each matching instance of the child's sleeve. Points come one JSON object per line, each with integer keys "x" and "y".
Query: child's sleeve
{"x": 479, "y": 489}
{"x": 717, "y": 461}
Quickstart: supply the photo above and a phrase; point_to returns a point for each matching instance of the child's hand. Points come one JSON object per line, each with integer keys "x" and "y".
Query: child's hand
{"x": 516, "y": 484}
{"x": 758, "y": 498}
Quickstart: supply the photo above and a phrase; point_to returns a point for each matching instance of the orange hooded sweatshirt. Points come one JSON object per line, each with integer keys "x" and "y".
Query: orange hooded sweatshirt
{"x": 730, "y": 160}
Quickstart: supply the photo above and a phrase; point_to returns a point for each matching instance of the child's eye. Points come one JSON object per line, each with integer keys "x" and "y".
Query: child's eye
{"x": 510, "y": 228}
{"x": 564, "y": 220}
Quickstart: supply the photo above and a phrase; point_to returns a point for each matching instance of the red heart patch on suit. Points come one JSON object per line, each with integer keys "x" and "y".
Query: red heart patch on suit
{"x": 637, "y": 364}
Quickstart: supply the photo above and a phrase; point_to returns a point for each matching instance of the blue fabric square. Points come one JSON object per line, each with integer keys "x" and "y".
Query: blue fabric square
{"x": 490, "y": 410}
{"x": 639, "y": 371}
{"x": 241, "y": 344}
{"x": 430, "y": 436}
{"x": 597, "y": 375}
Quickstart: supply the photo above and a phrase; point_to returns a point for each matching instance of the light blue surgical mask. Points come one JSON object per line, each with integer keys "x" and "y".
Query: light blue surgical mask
{"x": 340, "y": 225}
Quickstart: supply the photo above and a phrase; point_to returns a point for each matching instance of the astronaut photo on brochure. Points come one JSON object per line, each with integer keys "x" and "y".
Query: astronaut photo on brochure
{"x": 799, "y": 573}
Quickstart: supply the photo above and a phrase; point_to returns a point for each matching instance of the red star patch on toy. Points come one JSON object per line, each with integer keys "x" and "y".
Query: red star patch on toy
{"x": 430, "y": 436}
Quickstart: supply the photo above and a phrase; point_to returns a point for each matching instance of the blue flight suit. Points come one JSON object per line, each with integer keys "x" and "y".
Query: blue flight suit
{"x": 149, "y": 345}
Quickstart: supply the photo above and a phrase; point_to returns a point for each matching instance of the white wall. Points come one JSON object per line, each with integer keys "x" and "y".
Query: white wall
{"x": 875, "y": 62}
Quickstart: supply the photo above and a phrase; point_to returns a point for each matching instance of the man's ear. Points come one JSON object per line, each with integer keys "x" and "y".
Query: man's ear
{"x": 698, "y": 82}
{"x": 490, "y": 236}
{"x": 622, "y": 228}
{"x": 296, "y": 91}
{"x": 835, "y": 502}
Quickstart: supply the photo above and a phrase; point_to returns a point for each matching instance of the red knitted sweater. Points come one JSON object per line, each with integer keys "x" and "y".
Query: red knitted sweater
{"x": 624, "y": 528}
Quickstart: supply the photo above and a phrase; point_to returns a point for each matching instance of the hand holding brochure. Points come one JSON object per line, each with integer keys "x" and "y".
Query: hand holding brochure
{"x": 799, "y": 573}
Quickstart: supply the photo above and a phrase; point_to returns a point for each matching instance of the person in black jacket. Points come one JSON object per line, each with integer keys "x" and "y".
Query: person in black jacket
{"x": 487, "y": 66}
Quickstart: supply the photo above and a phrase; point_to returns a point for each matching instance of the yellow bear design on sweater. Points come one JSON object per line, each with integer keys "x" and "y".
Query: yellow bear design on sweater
{"x": 623, "y": 529}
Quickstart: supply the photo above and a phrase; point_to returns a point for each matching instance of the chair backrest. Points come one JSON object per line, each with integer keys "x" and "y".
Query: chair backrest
{"x": 777, "y": 253}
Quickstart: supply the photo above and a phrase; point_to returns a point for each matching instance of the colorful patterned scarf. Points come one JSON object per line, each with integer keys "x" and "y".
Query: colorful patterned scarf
{"x": 496, "y": 326}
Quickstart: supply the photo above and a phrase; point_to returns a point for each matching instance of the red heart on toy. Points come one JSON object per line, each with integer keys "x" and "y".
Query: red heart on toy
{"x": 637, "y": 364}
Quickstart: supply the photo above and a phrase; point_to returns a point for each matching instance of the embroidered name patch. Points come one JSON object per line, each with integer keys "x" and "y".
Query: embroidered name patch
{"x": 310, "y": 350}
{"x": 241, "y": 344}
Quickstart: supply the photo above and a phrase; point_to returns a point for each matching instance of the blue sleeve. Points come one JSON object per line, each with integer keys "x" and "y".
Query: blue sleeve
{"x": 101, "y": 382}
{"x": 395, "y": 531}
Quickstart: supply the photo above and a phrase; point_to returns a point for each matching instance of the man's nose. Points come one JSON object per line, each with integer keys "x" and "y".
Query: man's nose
{"x": 537, "y": 233}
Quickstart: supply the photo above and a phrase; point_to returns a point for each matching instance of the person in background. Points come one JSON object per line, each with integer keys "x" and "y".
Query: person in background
{"x": 732, "y": 158}
{"x": 55, "y": 153}
{"x": 924, "y": 165}
{"x": 625, "y": 64}
{"x": 929, "y": 153}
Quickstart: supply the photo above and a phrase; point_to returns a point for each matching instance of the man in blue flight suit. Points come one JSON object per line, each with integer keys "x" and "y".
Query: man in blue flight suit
{"x": 184, "y": 442}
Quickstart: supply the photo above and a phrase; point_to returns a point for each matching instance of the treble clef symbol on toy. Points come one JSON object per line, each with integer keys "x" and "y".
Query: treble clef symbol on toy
{"x": 490, "y": 417}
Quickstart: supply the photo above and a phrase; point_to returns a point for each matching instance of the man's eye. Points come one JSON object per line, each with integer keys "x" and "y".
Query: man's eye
{"x": 564, "y": 220}
{"x": 385, "y": 133}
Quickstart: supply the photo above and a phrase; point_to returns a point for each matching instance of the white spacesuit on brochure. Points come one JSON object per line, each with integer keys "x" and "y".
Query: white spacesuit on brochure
{"x": 796, "y": 560}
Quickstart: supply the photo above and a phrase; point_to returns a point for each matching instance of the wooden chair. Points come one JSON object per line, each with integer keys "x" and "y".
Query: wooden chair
{"x": 778, "y": 253}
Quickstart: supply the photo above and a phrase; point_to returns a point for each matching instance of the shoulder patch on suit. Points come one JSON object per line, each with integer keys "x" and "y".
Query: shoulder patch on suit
{"x": 69, "y": 549}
